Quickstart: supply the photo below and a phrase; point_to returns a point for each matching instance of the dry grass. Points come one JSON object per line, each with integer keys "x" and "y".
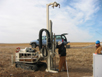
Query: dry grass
{"x": 79, "y": 62}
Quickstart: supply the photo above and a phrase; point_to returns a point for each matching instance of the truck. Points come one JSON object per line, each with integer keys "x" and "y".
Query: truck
{"x": 61, "y": 38}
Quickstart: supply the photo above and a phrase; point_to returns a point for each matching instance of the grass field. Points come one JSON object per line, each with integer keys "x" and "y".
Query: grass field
{"x": 79, "y": 62}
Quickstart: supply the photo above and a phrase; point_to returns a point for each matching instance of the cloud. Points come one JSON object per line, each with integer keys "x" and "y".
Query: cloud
{"x": 87, "y": 7}
{"x": 21, "y": 20}
{"x": 70, "y": 19}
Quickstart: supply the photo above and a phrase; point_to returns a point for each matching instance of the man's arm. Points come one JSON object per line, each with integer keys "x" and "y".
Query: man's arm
{"x": 98, "y": 50}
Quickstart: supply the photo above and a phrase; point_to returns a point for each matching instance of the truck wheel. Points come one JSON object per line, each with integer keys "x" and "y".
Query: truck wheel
{"x": 33, "y": 45}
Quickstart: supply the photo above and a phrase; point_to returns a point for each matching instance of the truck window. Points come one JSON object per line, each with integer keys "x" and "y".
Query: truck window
{"x": 44, "y": 37}
{"x": 58, "y": 37}
{"x": 63, "y": 37}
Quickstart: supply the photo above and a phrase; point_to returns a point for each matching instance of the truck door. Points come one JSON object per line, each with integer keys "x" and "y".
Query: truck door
{"x": 64, "y": 37}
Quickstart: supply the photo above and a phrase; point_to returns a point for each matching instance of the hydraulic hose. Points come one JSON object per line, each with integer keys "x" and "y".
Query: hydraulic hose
{"x": 44, "y": 51}
{"x": 48, "y": 38}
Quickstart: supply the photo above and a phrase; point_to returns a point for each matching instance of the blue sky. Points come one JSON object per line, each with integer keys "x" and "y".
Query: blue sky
{"x": 21, "y": 20}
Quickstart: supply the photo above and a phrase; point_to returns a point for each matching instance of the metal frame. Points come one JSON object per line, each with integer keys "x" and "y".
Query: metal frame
{"x": 32, "y": 54}
{"x": 49, "y": 28}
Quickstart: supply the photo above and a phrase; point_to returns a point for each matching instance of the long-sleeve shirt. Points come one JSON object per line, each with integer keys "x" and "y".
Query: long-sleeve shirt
{"x": 99, "y": 50}
{"x": 62, "y": 50}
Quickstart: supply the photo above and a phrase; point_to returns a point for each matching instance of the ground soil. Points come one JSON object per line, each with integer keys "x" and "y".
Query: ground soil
{"x": 79, "y": 61}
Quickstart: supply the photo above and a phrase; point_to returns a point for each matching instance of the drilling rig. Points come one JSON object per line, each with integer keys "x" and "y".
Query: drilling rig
{"x": 29, "y": 58}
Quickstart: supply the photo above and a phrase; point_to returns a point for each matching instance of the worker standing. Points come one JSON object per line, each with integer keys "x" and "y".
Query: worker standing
{"x": 62, "y": 55}
{"x": 98, "y": 47}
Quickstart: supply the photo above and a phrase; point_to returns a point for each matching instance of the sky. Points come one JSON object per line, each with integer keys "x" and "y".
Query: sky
{"x": 21, "y": 20}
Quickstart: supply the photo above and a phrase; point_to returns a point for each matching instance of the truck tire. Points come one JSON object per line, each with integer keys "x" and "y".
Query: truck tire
{"x": 33, "y": 45}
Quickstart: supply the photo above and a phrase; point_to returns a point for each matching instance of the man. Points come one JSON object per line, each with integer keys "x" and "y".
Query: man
{"x": 62, "y": 55}
{"x": 98, "y": 47}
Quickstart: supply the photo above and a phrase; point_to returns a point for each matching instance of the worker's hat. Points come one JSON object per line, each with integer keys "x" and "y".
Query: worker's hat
{"x": 97, "y": 42}
{"x": 59, "y": 42}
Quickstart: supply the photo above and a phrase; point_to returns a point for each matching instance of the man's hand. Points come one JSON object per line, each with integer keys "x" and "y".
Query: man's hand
{"x": 59, "y": 55}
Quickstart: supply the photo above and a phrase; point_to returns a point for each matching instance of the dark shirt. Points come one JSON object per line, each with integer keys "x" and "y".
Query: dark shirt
{"x": 61, "y": 50}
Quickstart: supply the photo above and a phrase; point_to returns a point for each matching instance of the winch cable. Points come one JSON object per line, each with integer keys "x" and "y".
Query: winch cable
{"x": 48, "y": 38}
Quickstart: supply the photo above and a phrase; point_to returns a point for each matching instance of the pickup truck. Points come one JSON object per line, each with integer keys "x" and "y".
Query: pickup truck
{"x": 61, "y": 37}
